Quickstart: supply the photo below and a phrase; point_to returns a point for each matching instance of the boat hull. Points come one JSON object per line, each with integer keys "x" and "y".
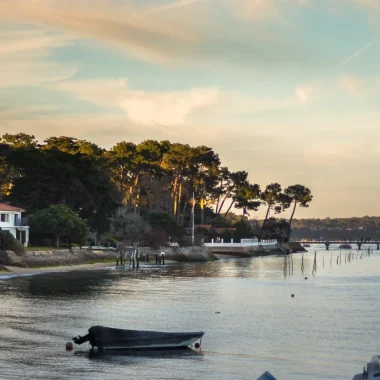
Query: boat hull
{"x": 106, "y": 338}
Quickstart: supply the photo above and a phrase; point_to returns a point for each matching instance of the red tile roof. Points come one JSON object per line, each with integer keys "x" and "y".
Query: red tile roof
{"x": 5, "y": 207}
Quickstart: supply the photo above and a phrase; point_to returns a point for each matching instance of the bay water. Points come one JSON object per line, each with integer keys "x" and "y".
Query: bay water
{"x": 328, "y": 330}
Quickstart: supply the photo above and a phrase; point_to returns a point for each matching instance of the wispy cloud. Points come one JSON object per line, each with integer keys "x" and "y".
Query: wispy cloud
{"x": 351, "y": 84}
{"x": 262, "y": 10}
{"x": 166, "y": 38}
{"x": 170, "y": 108}
{"x": 175, "y": 5}
{"x": 176, "y": 108}
{"x": 360, "y": 51}
{"x": 24, "y": 58}
{"x": 142, "y": 34}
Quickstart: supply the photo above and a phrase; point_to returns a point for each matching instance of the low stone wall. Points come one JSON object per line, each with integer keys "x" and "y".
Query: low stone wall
{"x": 64, "y": 257}
{"x": 189, "y": 254}
{"x": 55, "y": 257}
{"x": 248, "y": 251}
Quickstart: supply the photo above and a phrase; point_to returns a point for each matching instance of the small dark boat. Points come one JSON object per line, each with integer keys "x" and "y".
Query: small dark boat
{"x": 109, "y": 338}
{"x": 345, "y": 246}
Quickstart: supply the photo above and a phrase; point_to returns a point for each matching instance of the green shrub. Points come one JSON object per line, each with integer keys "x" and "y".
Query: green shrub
{"x": 112, "y": 242}
{"x": 45, "y": 242}
{"x": 9, "y": 243}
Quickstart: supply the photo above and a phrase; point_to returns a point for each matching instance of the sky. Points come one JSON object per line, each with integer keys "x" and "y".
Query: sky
{"x": 288, "y": 90}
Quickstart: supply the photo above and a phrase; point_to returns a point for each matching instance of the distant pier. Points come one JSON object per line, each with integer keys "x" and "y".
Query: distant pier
{"x": 327, "y": 243}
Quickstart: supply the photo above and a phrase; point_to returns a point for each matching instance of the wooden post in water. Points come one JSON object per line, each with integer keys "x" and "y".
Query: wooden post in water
{"x": 315, "y": 262}
{"x": 292, "y": 263}
{"x": 302, "y": 266}
{"x": 285, "y": 265}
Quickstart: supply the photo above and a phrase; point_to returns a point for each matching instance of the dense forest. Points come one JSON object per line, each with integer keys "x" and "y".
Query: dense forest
{"x": 132, "y": 188}
{"x": 366, "y": 227}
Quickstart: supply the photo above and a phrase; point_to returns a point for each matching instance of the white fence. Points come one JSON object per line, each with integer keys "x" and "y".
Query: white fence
{"x": 243, "y": 243}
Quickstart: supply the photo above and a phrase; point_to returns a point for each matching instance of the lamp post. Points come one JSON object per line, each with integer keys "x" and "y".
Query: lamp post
{"x": 192, "y": 223}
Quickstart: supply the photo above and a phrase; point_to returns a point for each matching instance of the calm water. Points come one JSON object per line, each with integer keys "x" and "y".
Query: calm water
{"x": 327, "y": 331}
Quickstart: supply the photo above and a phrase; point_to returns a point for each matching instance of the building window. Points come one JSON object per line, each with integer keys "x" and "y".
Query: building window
{"x": 5, "y": 218}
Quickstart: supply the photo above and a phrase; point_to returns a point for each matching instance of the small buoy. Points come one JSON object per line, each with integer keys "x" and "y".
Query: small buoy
{"x": 69, "y": 346}
{"x": 217, "y": 312}
{"x": 305, "y": 278}
{"x": 292, "y": 295}
{"x": 197, "y": 345}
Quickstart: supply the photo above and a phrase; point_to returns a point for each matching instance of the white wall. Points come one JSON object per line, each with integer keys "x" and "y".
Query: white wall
{"x": 11, "y": 222}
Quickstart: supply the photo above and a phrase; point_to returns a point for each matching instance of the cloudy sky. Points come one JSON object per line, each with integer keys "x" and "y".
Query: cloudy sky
{"x": 288, "y": 90}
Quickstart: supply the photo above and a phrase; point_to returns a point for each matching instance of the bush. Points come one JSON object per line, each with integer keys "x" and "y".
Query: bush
{"x": 163, "y": 221}
{"x": 112, "y": 242}
{"x": 45, "y": 242}
{"x": 9, "y": 243}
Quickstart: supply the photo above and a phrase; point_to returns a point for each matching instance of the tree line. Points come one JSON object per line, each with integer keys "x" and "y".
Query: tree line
{"x": 151, "y": 180}
{"x": 356, "y": 228}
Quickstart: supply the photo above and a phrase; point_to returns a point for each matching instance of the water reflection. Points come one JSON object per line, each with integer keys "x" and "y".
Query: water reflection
{"x": 118, "y": 355}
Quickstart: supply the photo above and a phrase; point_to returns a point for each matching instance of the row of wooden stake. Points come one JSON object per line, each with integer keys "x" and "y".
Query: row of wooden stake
{"x": 348, "y": 257}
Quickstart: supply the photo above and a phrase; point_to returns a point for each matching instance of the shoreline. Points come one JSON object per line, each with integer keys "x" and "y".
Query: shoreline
{"x": 39, "y": 262}
{"x": 20, "y": 271}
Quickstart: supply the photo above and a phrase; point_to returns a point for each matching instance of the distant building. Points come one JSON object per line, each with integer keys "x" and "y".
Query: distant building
{"x": 11, "y": 220}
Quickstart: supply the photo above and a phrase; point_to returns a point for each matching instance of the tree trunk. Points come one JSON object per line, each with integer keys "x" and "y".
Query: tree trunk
{"x": 136, "y": 192}
{"x": 202, "y": 205}
{"x": 229, "y": 208}
{"x": 291, "y": 217}
{"x": 266, "y": 218}
{"x": 179, "y": 200}
{"x": 175, "y": 196}
{"x": 184, "y": 210}
{"x": 222, "y": 204}
{"x": 57, "y": 241}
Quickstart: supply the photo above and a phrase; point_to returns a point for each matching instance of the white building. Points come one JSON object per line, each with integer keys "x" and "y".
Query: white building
{"x": 11, "y": 220}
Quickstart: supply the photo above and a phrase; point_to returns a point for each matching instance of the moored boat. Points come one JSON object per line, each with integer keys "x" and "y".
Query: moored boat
{"x": 372, "y": 371}
{"x": 107, "y": 338}
{"x": 345, "y": 246}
